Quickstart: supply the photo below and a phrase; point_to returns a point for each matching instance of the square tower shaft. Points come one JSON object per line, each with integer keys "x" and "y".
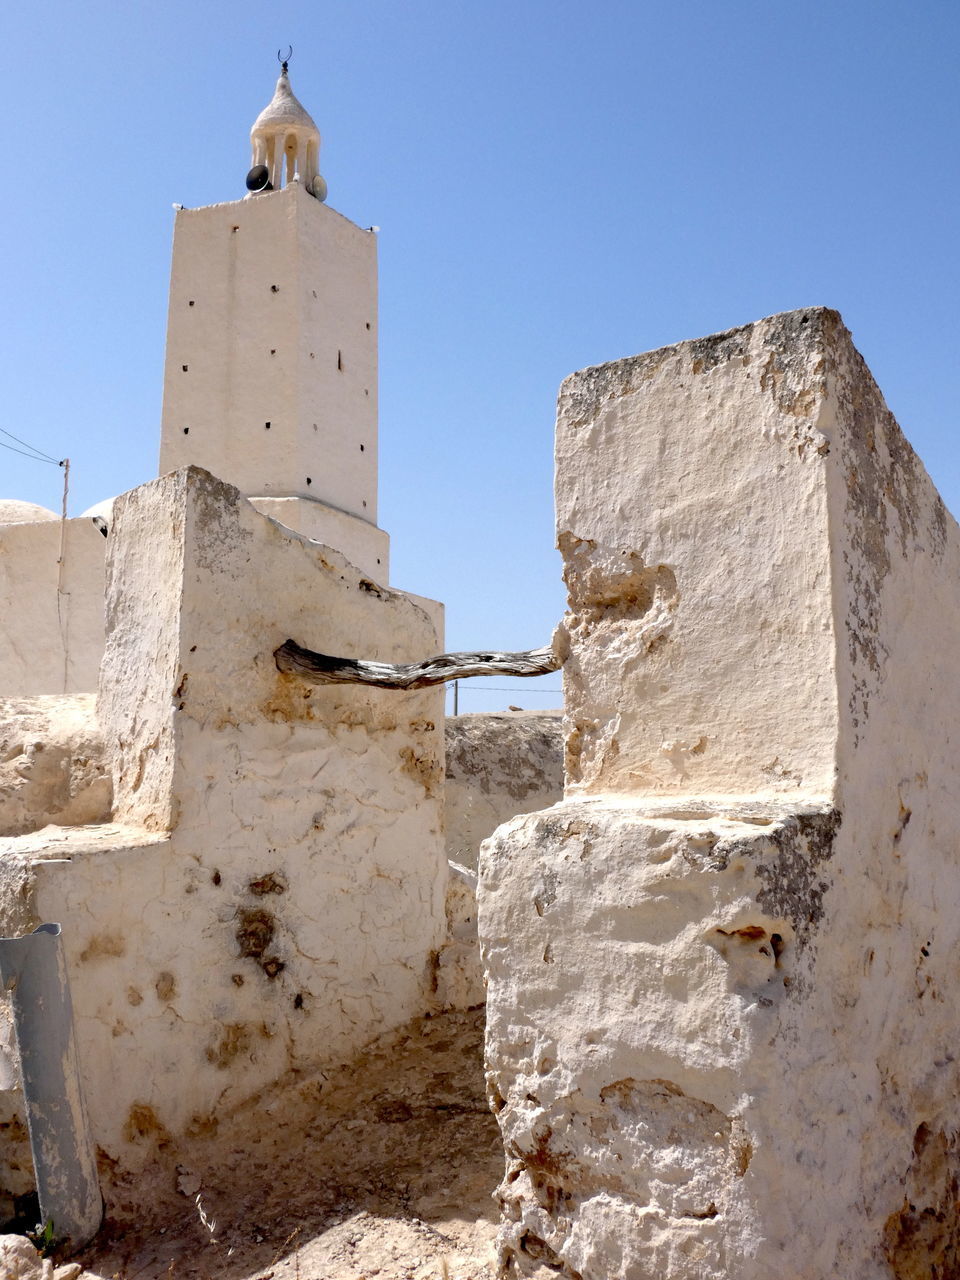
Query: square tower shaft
{"x": 271, "y": 364}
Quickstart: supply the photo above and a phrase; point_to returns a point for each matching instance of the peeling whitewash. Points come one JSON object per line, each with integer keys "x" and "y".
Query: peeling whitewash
{"x": 721, "y": 975}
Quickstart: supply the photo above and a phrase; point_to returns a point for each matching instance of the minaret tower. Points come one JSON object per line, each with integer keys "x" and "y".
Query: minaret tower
{"x": 271, "y": 363}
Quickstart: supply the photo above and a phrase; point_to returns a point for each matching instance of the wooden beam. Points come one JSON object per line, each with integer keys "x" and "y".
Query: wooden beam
{"x": 321, "y": 668}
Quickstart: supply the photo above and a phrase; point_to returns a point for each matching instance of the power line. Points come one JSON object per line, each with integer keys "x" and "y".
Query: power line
{"x": 35, "y": 453}
{"x": 32, "y": 456}
{"x": 507, "y": 688}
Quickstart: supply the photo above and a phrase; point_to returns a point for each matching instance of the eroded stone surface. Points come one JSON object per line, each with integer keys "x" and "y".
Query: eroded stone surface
{"x": 53, "y": 768}
{"x": 19, "y": 1260}
{"x": 719, "y": 1013}
{"x": 692, "y": 517}
{"x": 643, "y": 982}
{"x": 498, "y": 765}
{"x": 271, "y": 895}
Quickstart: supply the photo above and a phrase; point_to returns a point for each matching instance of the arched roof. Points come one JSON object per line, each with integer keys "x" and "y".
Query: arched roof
{"x": 12, "y": 511}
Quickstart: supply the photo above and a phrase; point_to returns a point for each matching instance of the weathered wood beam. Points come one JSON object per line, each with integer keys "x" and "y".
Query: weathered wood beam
{"x": 321, "y": 668}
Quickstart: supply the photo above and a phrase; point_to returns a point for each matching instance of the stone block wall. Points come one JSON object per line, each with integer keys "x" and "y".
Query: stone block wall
{"x": 720, "y": 974}
{"x": 269, "y": 895}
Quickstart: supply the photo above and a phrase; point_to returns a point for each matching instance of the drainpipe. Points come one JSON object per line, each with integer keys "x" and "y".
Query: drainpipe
{"x": 33, "y": 971}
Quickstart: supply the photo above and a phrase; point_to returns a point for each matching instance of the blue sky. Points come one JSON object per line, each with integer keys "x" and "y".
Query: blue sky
{"x": 557, "y": 184}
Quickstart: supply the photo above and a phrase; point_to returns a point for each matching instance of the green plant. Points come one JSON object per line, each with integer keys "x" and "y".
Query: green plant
{"x": 43, "y": 1238}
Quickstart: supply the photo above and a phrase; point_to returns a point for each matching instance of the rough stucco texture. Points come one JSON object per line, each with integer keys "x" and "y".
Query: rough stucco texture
{"x": 721, "y": 973}
{"x": 272, "y": 892}
{"x": 53, "y": 768}
{"x": 498, "y": 765}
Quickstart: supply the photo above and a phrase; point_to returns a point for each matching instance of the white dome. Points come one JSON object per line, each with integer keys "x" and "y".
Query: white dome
{"x": 104, "y": 509}
{"x": 283, "y": 112}
{"x": 284, "y": 136}
{"x": 14, "y": 512}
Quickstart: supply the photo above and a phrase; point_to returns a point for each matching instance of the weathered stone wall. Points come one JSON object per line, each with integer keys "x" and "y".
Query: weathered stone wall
{"x": 270, "y": 893}
{"x": 720, "y": 1020}
{"x": 498, "y": 765}
{"x": 53, "y": 767}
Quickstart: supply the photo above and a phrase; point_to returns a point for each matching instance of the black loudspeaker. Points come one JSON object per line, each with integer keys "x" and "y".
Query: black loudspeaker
{"x": 258, "y": 179}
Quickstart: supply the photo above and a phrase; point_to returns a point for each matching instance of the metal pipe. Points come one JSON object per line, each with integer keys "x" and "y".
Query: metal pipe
{"x": 33, "y": 970}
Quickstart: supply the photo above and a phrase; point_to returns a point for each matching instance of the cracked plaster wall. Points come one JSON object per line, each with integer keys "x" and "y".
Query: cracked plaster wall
{"x": 720, "y": 974}
{"x": 270, "y": 894}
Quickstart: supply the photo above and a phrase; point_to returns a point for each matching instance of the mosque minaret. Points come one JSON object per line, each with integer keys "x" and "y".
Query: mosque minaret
{"x": 270, "y": 380}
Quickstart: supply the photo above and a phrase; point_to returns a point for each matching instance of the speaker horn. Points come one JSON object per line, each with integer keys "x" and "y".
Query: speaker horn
{"x": 258, "y": 179}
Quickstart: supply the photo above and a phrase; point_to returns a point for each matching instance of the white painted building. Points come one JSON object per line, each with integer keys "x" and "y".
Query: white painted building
{"x": 249, "y": 873}
{"x": 270, "y": 384}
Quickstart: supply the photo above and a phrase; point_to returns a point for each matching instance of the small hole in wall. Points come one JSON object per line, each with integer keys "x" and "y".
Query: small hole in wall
{"x": 312, "y": 356}
{"x": 274, "y": 288}
{"x": 273, "y": 351}
{"x": 216, "y": 878}
{"x": 314, "y": 293}
{"x": 186, "y": 431}
{"x": 237, "y": 979}
{"x": 776, "y": 945}
{"x": 340, "y": 361}
{"x": 184, "y": 367}
{"x": 309, "y": 481}
{"x": 298, "y": 1000}
{"x": 378, "y": 559}
{"x": 193, "y": 648}
{"x": 190, "y": 303}
{"x": 368, "y": 324}
{"x": 361, "y": 448}
{"x": 266, "y": 426}
{"x": 366, "y": 392}
{"x": 364, "y": 502}
{"x": 234, "y": 228}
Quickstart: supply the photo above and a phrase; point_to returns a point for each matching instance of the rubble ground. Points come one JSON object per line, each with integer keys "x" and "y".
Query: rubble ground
{"x": 385, "y": 1169}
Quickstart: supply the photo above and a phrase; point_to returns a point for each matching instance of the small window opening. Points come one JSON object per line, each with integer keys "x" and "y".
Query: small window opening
{"x": 190, "y": 303}
{"x": 184, "y": 368}
{"x": 274, "y": 288}
{"x": 309, "y": 481}
{"x": 368, "y": 324}
{"x": 273, "y": 351}
{"x": 340, "y": 361}
{"x": 186, "y": 431}
{"x": 266, "y": 426}
{"x": 361, "y": 448}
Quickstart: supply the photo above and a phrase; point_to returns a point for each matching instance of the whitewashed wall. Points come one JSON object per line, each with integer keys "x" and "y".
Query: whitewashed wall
{"x": 270, "y": 893}
{"x": 721, "y": 975}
